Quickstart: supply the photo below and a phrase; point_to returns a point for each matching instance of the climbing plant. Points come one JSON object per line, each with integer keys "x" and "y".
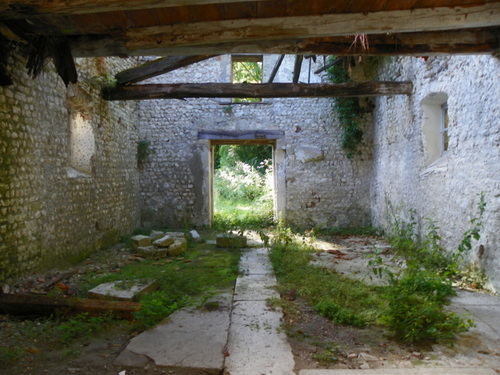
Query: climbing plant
{"x": 349, "y": 113}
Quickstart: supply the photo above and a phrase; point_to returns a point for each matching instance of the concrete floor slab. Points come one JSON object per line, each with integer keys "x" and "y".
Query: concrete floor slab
{"x": 484, "y": 309}
{"x": 256, "y": 345}
{"x": 189, "y": 338}
{"x": 420, "y": 371}
{"x": 255, "y": 288}
{"x": 122, "y": 290}
{"x": 255, "y": 262}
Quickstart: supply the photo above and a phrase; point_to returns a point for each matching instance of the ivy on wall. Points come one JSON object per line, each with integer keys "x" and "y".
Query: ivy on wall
{"x": 349, "y": 113}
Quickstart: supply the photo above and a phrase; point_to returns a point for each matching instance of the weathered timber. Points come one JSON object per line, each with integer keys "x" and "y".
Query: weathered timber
{"x": 25, "y": 304}
{"x": 227, "y": 31}
{"x": 15, "y": 9}
{"x": 447, "y": 42}
{"x": 297, "y": 67}
{"x": 63, "y": 61}
{"x": 264, "y": 90}
{"x": 157, "y": 67}
{"x": 276, "y": 68}
{"x": 49, "y": 284}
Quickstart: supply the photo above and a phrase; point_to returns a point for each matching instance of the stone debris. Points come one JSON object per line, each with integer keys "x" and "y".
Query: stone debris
{"x": 141, "y": 241}
{"x": 153, "y": 252}
{"x": 230, "y": 240}
{"x": 178, "y": 247}
{"x": 368, "y": 357}
{"x": 156, "y": 235}
{"x": 165, "y": 241}
{"x": 122, "y": 290}
{"x": 160, "y": 244}
{"x": 195, "y": 236}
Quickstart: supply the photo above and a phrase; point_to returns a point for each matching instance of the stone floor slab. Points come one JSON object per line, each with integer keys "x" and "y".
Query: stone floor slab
{"x": 255, "y": 262}
{"x": 255, "y": 288}
{"x": 190, "y": 338}
{"x": 256, "y": 345}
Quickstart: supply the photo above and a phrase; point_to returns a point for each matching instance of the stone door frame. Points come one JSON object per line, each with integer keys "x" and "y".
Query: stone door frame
{"x": 272, "y": 138}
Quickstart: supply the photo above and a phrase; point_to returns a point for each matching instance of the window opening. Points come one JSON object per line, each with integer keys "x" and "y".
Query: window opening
{"x": 435, "y": 126}
{"x": 246, "y": 69}
{"x": 82, "y": 142}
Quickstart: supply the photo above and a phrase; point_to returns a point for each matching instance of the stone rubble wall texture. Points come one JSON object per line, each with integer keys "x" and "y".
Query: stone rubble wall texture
{"x": 446, "y": 191}
{"x": 51, "y": 214}
{"x": 323, "y": 187}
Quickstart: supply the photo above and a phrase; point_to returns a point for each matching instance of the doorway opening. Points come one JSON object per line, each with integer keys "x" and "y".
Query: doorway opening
{"x": 243, "y": 184}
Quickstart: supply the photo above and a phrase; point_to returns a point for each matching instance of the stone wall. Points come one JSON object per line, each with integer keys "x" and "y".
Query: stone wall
{"x": 321, "y": 186}
{"x": 52, "y": 208}
{"x": 407, "y": 176}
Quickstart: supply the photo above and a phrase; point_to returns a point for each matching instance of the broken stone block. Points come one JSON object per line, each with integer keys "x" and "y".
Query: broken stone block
{"x": 153, "y": 252}
{"x": 230, "y": 240}
{"x": 141, "y": 241}
{"x": 176, "y": 234}
{"x": 195, "y": 236}
{"x": 165, "y": 241}
{"x": 156, "y": 235}
{"x": 127, "y": 290}
{"x": 178, "y": 247}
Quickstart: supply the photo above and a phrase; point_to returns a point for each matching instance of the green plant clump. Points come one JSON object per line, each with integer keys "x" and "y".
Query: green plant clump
{"x": 349, "y": 112}
{"x": 418, "y": 292}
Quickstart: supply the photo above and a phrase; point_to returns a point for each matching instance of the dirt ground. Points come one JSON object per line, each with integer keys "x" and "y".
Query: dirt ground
{"x": 316, "y": 342}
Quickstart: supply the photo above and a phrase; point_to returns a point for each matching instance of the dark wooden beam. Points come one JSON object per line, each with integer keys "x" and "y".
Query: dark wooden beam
{"x": 275, "y": 69}
{"x": 25, "y": 304}
{"x": 156, "y": 68}
{"x": 297, "y": 67}
{"x": 15, "y": 9}
{"x": 265, "y": 90}
{"x": 449, "y": 42}
{"x": 64, "y": 63}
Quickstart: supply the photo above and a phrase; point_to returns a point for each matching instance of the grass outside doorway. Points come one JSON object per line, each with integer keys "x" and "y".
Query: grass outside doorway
{"x": 243, "y": 187}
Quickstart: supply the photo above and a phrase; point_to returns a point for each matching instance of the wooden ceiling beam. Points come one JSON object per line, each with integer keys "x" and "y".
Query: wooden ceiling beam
{"x": 17, "y": 9}
{"x": 157, "y": 67}
{"x": 263, "y": 90}
{"x": 465, "y": 41}
{"x": 248, "y": 30}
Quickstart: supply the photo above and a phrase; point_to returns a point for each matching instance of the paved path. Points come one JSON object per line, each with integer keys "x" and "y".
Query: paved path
{"x": 242, "y": 334}
{"x": 256, "y": 343}
{"x": 238, "y": 331}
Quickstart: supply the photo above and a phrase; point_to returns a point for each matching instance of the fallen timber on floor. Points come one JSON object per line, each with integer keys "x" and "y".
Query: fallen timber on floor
{"x": 264, "y": 90}
{"x": 27, "y": 304}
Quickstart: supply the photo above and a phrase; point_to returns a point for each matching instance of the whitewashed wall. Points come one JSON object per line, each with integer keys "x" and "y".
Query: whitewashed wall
{"x": 448, "y": 189}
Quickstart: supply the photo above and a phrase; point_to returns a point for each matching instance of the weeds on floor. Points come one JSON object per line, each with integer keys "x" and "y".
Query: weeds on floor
{"x": 418, "y": 292}
{"x": 184, "y": 280}
{"x": 411, "y": 306}
{"x": 343, "y": 300}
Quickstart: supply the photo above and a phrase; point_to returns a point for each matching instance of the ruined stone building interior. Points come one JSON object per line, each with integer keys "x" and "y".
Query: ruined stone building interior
{"x": 70, "y": 182}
